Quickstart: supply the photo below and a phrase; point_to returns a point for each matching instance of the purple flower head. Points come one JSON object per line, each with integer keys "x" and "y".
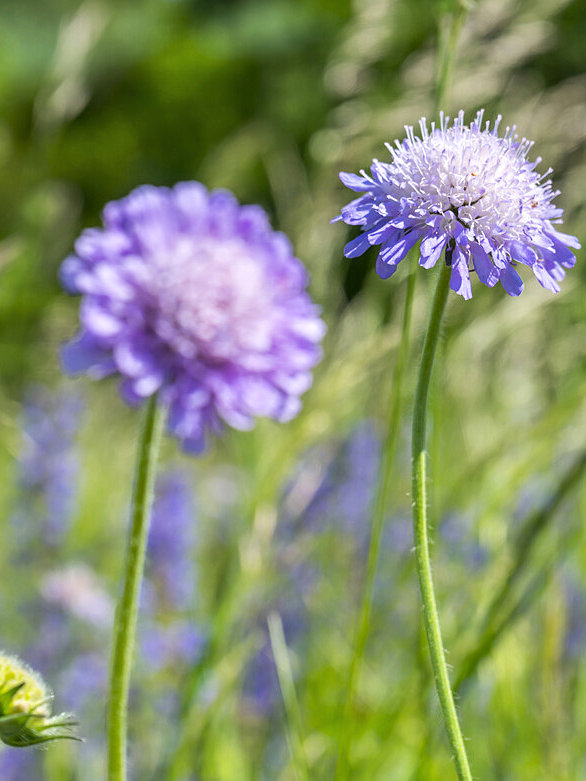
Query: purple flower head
{"x": 468, "y": 191}
{"x": 188, "y": 293}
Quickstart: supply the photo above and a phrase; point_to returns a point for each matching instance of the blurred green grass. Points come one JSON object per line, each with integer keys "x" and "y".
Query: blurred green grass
{"x": 272, "y": 99}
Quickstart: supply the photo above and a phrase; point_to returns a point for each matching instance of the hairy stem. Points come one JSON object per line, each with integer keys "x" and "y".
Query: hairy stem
{"x": 126, "y": 612}
{"x": 420, "y": 523}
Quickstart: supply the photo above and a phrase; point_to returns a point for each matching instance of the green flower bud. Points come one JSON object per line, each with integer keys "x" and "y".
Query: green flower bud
{"x": 25, "y": 707}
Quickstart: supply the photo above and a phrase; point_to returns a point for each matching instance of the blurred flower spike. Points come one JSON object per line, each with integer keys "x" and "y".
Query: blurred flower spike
{"x": 468, "y": 191}
{"x": 191, "y": 295}
{"x": 25, "y": 708}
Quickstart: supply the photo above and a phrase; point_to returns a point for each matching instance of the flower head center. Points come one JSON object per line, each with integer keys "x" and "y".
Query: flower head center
{"x": 207, "y": 296}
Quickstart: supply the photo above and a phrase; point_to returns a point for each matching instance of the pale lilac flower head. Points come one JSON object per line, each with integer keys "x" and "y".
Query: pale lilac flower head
{"x": 468, "y": 191}
{"x": 77, "y": 589}
{"x": 188, "y": 293}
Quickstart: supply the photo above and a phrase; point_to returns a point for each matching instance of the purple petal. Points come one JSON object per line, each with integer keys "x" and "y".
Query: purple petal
{"x": 355, "y": 182}
{"x": 431, "y": 249}
{"x": 253, "y": 222}
{"x": 545, "y": 279}
{"x": 191, "y": 199}
{"x": 567, "y": 239}
{"x": 68, "y": 273}
{"x": 135, "y": 358}
{"x": 383, "y": 233}
{"x": 394, "y": 252}
{"x": 357, "y": 246}
{"x": 84, "y": 354}
{"x": 561, "y": 252}
{"x": 359, "y": 212}
{"x": 510, "y": 280}
{"x": 485, "y": 268}
{"x": 385, "y": 270}
{"x": 522, "y": 252}
{"x": 460, "y": 278}
{"x": 98, "y": 320}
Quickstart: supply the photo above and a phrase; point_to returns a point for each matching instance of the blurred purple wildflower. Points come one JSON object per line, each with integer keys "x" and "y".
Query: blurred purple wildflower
{"x": 468, "y": 191}
{"x": 188, "y": 293}
{"x": 454, "y": 529}
{"x": 52, "y": 638}
{"x": 78, "y": 590}
{"x": 398, "y": 534}
{"x": 83, "y": 682}
{"x": 169, "y": 644}
{"x": 170, "y": 566}
{"x": 48, "y": 464}
{"x": 575, "y": 609}
{"x": 261, "y": 684}
{"x": 347, "y": 491}
{"x": 168, "y": 635}
{"x": 338, "y": 487}
{"x": 16, "y": 764}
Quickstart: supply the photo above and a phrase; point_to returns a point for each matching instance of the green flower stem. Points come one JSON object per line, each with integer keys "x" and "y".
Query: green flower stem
{"x": 378, "y": 517}
{"x": 419, "y": 466}
{"x": 125, "y": 624}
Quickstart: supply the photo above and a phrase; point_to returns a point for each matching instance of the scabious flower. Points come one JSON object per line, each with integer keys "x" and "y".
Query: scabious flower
{"x": 48, "y": 464}
{"x": 189, "y": 294}
{"x": 468, "y": 191}
{"x": 25, "y": 707}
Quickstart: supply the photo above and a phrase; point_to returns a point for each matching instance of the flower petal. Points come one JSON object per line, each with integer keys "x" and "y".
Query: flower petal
{"x": 485, "y": 268}
{"x": 355, "y": 182}
{"x": 510, "y": 280}
{"x": 545, "y": 279}
{"x": 431, "y": 249}
{"x": 357, "y": 246}
{"x": 460, "y": 278}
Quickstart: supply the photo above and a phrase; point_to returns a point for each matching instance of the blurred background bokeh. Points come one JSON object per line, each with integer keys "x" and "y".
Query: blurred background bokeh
{"x": 271, "y": 98}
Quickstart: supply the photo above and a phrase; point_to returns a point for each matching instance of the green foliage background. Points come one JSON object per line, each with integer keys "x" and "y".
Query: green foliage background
{"x": 271, "y": 98}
